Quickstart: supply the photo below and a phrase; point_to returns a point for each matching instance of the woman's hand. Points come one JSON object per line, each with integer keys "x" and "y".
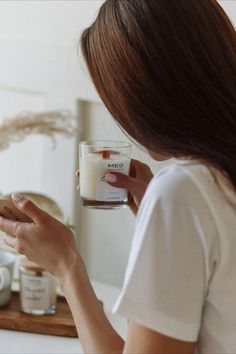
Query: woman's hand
{"x": 45, "y": 241}
{"x": 136, "y": 183}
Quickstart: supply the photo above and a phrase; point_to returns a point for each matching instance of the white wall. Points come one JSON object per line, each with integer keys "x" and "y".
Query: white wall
{"x": 230, "y": 8}
{"x": 48, "y": 22}
{"x": 40, "y": 70}
{"x": 20, "y": 164}
{"x": 48, "y": 26}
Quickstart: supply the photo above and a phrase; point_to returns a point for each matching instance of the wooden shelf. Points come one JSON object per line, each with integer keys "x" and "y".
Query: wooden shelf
{"x": 60, "y": 324}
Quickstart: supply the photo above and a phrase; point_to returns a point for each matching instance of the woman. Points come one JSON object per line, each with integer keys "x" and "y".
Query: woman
{"x": 166, "y": 70}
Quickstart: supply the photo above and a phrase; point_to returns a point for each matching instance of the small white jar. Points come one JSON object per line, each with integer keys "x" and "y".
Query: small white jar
{"x": 37, "y": 289}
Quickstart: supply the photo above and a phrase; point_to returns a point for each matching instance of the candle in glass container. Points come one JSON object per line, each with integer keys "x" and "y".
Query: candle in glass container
{"x": 96, "y": 159}
{"x": 37, "y": 289}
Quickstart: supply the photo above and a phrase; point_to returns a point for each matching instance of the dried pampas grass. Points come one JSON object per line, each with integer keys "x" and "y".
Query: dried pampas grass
{"x": 15, "y": 129}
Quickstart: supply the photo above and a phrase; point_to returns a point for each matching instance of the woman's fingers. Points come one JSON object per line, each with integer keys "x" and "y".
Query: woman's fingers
{"x": 140, "y": 171}
{"x": 18, "y": 244}
{"x": 8, "y": 226}
{"x": 10, "y": 241}
{"x": 15, "y": 234}
{"x": 28, "y": 208}
{"x": 134, "y": 186}
{"x": 136, "y": 183}
{"x": 131, "y": 203}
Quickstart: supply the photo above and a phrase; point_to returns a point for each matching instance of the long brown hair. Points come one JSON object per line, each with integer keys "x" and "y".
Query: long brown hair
{"x": 166, "y": 71}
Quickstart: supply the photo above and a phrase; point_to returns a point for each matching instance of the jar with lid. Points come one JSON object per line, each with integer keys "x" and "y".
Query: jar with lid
{"x": 37, "y": 289}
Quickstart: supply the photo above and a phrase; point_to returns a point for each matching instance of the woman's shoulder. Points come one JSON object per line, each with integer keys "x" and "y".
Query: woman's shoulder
{"x": 191, "y": 180}
{"x": 184, "y": 186}
{"x": 180, "y": 180}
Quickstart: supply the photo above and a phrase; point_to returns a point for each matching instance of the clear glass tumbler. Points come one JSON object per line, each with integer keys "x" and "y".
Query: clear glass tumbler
{"x": 96, "y": 159}
{"x": 37, "y": 289}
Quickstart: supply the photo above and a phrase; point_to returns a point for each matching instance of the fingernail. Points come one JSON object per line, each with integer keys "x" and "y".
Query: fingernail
{"x": 109, "y": 177}
{"x": 17, "y": 197}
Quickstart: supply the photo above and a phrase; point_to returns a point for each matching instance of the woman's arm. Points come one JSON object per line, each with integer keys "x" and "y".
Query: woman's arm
{"x": 95, "y": 331}
{"x": 49, "y": 243}
{"x": 143, "y": 340}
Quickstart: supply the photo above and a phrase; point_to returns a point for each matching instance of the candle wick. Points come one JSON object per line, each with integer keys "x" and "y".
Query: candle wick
{"x": 106, "y": 154}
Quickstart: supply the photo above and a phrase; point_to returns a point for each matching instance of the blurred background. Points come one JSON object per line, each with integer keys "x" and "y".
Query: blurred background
{"x": 41, "y": 70}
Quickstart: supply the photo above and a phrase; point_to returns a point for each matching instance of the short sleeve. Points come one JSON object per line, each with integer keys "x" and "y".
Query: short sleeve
{"x": 168, "y": 271}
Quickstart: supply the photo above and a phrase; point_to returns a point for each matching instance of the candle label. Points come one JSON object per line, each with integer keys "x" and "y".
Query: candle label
{"x": 104, "y": 191}
{"x": 35, "y": 292}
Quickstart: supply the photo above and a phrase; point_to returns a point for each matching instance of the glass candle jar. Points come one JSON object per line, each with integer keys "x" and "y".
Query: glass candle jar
{"x": 97, "y": 158}
{"x": 37, "y": 289}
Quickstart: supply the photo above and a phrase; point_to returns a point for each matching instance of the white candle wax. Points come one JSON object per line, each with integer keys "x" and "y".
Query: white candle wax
{"x": 93, "y": 168}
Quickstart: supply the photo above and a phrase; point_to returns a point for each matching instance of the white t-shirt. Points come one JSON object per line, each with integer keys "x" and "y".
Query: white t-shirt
{"x": 181, "y": 276}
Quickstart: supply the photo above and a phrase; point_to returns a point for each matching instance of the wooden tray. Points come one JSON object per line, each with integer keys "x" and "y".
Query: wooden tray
{"x": 60, "y": 324}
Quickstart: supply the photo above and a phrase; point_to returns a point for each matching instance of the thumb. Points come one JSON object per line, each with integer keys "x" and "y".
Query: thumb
{"x": 28, "y": 208}
{"x": 134, "y": 186}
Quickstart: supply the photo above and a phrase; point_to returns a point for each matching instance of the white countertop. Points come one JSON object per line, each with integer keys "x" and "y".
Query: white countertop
{"x": 28, "y": 343}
